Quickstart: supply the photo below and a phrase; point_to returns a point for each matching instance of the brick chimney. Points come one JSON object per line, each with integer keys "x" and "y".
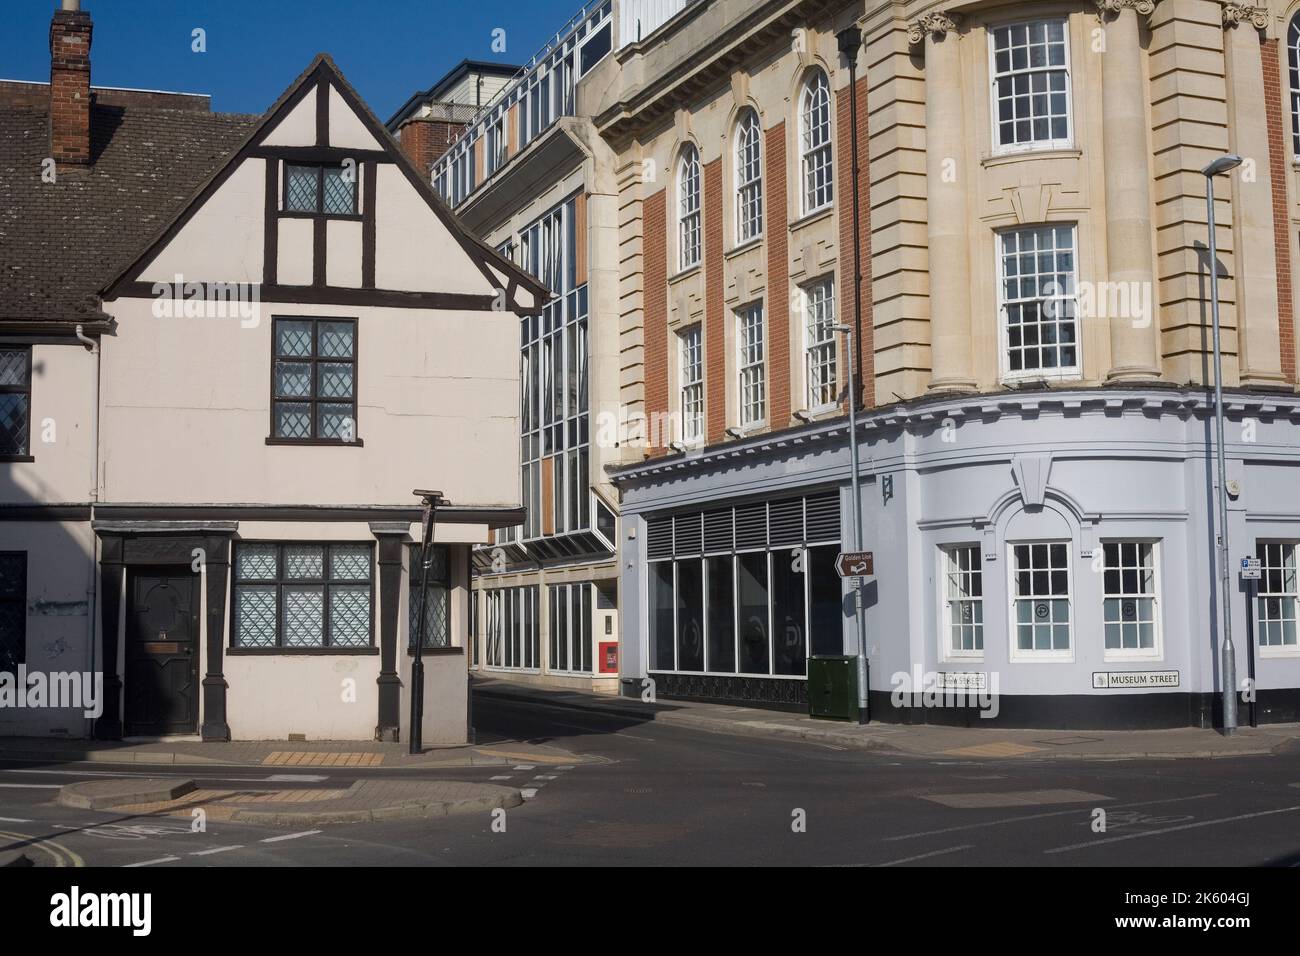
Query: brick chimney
{"x": 425, "y": 138}
{"x": 70, "y": 86}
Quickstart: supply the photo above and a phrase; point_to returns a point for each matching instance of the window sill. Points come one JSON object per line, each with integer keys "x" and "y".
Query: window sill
{"x": 1042, "y": 657}
{"x": 808, "y": 218}
{"x": 17, "y": 458}
{"x": 1132, "y": 659}
{"x": 317, "y": 442}
{"x": 744, "y": 247}
{"x": 1040, "y": 379}
{"x": 1268, "y": 653}
{"x": 302, "y": 651}
{"x": 684, "y": 273}
{"x": 344, "y": 216}
{"x": 999, "y": 158}
{"x": 436, "y": 651}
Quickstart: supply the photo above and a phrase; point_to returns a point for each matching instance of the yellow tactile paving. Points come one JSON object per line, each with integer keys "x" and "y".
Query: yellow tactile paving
{"x": 309, "y": 758}
{"x": 1003, "y": 748}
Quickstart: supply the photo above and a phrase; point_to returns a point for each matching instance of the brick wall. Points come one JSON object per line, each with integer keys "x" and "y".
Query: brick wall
{"x": 778, "y": 278}
{"x": 656, "y": 319}
{"x": 713, "y": 207}
{"x": 1278, "y": 151}
{"x": 425, "y": 140}
{"x": 70, "y": 36}
{"x": 865, "y": 367}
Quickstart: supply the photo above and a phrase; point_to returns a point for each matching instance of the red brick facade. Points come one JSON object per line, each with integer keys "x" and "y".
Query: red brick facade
{"x": 865, "y": 365}
{"x": 70, "y": 35}
{"x": 713, "y": 205}
{"x": 654, "y": 251}
{"x": 778, "y": 278}
{"x": 1278, "y": 172}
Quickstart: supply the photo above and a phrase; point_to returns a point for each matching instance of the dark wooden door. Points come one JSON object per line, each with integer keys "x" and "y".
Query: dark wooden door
{"x": 162, "y": 659}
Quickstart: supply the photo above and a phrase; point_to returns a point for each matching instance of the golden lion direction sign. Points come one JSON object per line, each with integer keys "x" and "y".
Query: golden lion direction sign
{"x": 853, "y": 564}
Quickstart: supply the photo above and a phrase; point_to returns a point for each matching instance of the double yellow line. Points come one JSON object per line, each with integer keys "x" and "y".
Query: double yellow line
{"x": 61, "y": 855}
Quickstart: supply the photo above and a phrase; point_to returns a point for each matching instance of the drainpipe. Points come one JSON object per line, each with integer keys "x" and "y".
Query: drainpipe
{"x": 92, "y": 592}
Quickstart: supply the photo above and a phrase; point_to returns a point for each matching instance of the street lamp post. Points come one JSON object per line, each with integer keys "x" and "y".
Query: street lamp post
{"x": 849, "y": 41}
{"x": 1229, "y": 660}
{"x": 431, "y": 501}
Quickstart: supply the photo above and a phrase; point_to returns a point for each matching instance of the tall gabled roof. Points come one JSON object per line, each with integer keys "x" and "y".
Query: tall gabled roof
{"x": 485, "y": 258}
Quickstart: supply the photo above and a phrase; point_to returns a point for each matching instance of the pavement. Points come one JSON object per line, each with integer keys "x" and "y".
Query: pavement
{"x": 291, "y": 755}
{"x": 914, "y": 740}
{"x": 365, "y": 801}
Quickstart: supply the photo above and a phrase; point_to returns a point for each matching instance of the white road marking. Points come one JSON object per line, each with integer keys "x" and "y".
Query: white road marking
{"x": 161, "y": 859}
{"x": 13, "y": 820}
{"x": 31, "y": 786}
{"x": 526, "y": 766}
{"x": 1038, "y": 816}
{"x": 502, "y": 776}
{"x": 528, "y": 793}
{"x": 289, "y": 836}
{"x": 73, "y": 773}
{"x": 1185, "y": 826}
{"x": 926, "y": 856}
{"x": 292, "y": 777}
{"x": 218, "y": 849}
{"x": 544, "y": 776}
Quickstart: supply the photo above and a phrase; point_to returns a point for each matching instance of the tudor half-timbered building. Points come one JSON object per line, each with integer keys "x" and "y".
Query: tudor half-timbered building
{"x": 302, "y": 335}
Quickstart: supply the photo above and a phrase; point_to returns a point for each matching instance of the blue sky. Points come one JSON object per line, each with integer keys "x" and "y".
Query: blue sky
{"x": 387, "y": 48}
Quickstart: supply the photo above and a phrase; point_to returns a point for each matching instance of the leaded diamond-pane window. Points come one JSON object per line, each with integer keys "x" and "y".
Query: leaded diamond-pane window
{"x": 303, "y": 595}
{"x": 340, "y": 190}
{"x": 300, "y": 188}
{"x": 437, "y": 610}
{"x": 314, "y": 380}
{"x": 13, "y": 610}
{"x": 15, "y": 402}
{"x": 315, "y": 189}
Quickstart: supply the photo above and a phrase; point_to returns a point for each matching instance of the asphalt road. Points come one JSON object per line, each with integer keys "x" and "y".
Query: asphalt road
{"x": 663, "y": 795}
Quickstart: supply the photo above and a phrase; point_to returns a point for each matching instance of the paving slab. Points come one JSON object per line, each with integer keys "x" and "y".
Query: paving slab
{"x": 281, "y": 754}
{"x": 362, "y": 802}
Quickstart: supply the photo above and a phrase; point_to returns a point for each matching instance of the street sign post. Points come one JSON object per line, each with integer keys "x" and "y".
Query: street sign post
{"x": 854, "y": 564}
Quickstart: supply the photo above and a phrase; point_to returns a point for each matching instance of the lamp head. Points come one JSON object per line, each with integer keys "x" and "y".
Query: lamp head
{"x": 1222, "y": 164}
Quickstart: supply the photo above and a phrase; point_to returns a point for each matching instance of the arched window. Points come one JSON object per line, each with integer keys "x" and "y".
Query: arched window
{"x": 815, "y": 162}
{"x": 1293, "y": 61}
{"x": 688, "y": 208}
{"x": 749, "y": 177}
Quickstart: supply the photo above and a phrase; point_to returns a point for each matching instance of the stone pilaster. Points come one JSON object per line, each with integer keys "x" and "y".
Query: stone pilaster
{"x": 1252, "y": 197}
{"x": 1134, "y": 336}
{"x": 948, "y": 234}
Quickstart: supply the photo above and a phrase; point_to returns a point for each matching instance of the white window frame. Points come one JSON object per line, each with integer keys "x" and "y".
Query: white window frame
{"x": 1293, "y": 81}
{"x": 749, "y": 177}
{"x": 1074, "y": 371}
{"x": 808, "y": 153}
{"x": 690, "y": 390}
{"x": 751, "y": 365}
{"x": 1155, "y": 652}
{"x": 1016, "y": 655}
{"x": 814, "y": 343}
{"x": 1277, "y": 650}
{"x": 1066, "y": 142}
{"x": 690, "y": 237}
{"x": 946, "y": 568}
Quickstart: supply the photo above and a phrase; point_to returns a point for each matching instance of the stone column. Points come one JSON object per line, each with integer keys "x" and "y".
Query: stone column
{"x": 1259, "y": 338}
{"x": 1134, "y": 332}
{"x": 948, "y": 230}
